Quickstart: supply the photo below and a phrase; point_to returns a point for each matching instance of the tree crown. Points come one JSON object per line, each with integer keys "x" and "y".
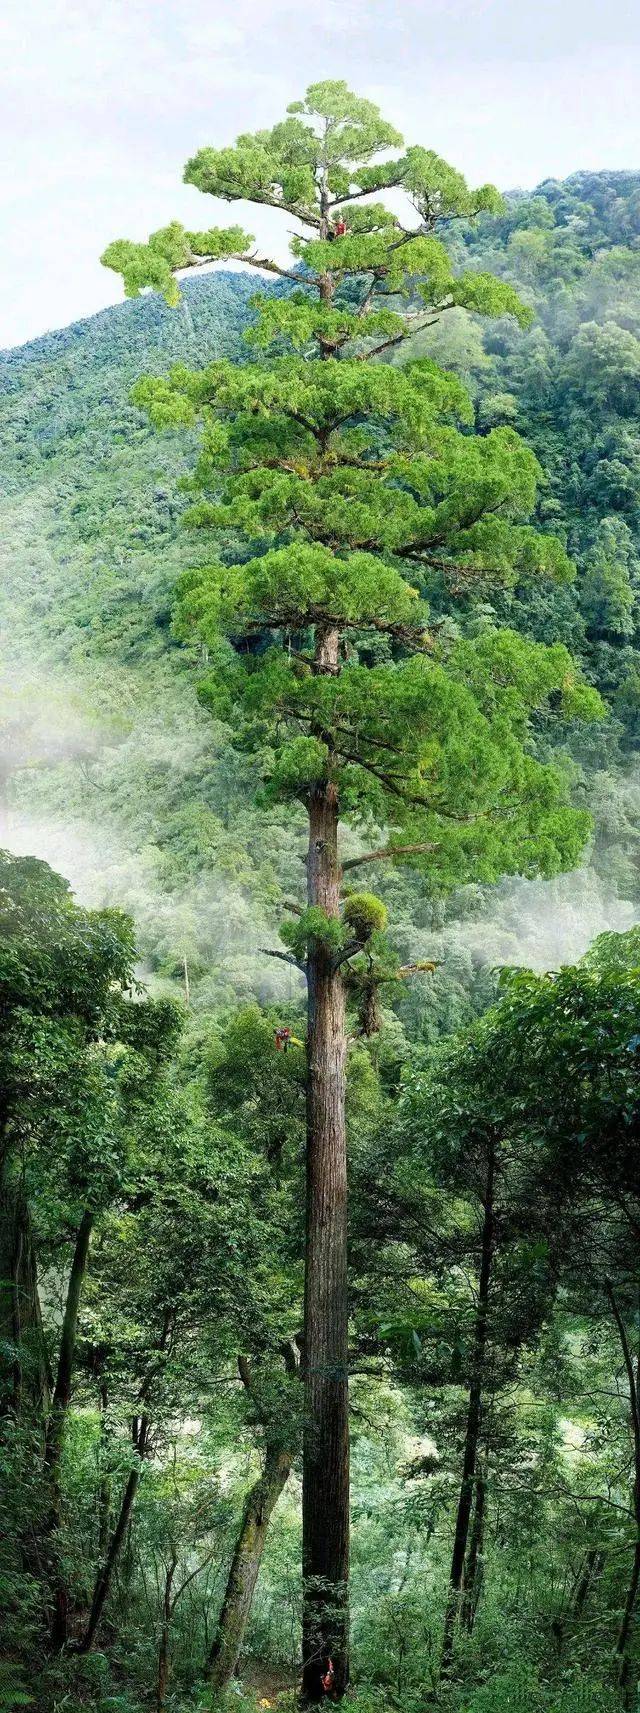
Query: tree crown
{"x": 356, "y": 484}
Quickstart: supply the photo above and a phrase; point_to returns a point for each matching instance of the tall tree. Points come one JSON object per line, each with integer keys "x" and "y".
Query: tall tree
{"x": 344, "y": 471}
{"x": 568, "y": 1046}
{"x": 453, "y": 1209}
{"x": 63, "y": 974}
{"x": 63, "y": 971}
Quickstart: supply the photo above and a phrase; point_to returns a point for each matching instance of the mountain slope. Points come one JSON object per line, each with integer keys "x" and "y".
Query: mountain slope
{"x": 118, "y": 776}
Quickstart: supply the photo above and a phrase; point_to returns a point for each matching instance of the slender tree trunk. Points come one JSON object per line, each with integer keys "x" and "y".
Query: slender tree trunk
{"x": 163, "y": 1648}
{"x": 622, "y": 1645}
{"x": 59, "y": 1628}
{"x": 245, "y": 1564}
{"x": 105, "y": 1574}
{"x": 591, "y": 1568}
{"x": 633, "y": 1376}
{"x": 325, "y": 1487}
{"x": 104, "y": 1481}
{"x": 474, "y": 1563}
{"x": 26, "y": 1377}
{"x": 474, "y": 1421}
{"x": 64, "y": 1376}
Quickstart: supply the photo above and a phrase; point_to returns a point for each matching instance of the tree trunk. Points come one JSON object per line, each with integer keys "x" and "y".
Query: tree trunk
{"x": 622, "y": 1645}
{"x": 591, "y": 1568}
{"x": 163, "y": 1648}
{"x": 325, "y": 1487}
{"x": 57, "y": 1419}
{"x": 633, "y": 1377}
{"x": 245, "y": 1564}
{"x": 26, "y": 1378}
{"x": 474, "y": 1563}
{"x": 163, "y": 1669}
{"x": 474, "y": 1421}
{"x": 62, "y": 1390}
{"x": 105, "y": 1574}
{"x": 104, "y": 1481}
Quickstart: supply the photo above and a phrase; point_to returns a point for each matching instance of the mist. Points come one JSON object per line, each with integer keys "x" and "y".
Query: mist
{"x": 99, "y": 796}
{"x": 210, "y": 932}
{"x": 540, "y": 924}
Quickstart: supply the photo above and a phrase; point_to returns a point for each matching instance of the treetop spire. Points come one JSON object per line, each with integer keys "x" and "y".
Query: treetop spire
{"x": 316, "y": 165}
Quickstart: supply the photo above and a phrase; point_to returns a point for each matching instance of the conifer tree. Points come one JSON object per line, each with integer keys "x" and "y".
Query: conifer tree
{"x": 358, "y": 481}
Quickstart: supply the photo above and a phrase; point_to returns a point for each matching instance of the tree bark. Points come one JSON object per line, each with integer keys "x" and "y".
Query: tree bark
{"x": 590, "y": 1570}
{"x": 104, "y": 1481}
{"x": 26, "y": 1379}
{"x": 105, "y": 1574}
{"x": 54, "y": 1438}
{"x": 325, "y": 1487}
{"x": 245, "y": 1564}
{"x": 64, "y": 1376}
{"x": 474, "y": 1420}
{"x": 163, "y": 1647}
{"x": 623, "y": 1662}
{"x": 474, "y": 1562}
{"x": 633, "y": 1376}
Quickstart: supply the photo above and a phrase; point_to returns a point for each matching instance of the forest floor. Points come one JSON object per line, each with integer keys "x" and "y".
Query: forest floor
{"x": 267, "y": 1681}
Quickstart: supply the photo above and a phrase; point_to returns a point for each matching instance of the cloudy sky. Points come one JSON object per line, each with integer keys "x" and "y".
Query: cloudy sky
{"x": 102, "y": 102}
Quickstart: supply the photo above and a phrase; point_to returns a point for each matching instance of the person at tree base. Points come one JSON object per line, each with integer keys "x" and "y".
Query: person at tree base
{"x": 328, "y": 1679}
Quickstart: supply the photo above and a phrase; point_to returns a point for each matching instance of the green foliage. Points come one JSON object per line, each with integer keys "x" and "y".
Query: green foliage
{"x": 208, "y": 1174}
{"x": 359, "y": 465}
{"x": 365, "y": 914}
{"x": 314, "y": 170}
{"x": 13, "y": 1692}
{"x": 313, "y": 924}
{"x": 153, "y": 264}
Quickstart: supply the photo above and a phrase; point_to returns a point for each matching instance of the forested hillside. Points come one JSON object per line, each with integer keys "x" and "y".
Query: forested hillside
{"x": 91, "y": 546}
{"x": 153, "y": 1073}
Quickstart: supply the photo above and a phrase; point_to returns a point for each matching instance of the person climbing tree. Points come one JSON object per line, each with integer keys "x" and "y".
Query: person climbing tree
{"x": 284, "y": 1038}
{"x": 359, "y": 487}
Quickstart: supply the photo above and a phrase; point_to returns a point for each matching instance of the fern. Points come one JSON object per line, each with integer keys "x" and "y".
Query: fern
{"x": 13, "y": 1692}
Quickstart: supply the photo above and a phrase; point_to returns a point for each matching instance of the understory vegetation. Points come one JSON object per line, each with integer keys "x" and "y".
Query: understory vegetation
{"x": 320, "y": 829}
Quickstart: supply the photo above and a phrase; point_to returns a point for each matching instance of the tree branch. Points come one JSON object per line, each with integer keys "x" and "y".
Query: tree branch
{"x": 407, "y": 331}
{"x": 348, "y": 952}
{"x": 297, "y": 621}
{"x": 427, "y": 966}
{"x": 387, "y": 853}
{"x": 191, "y": 1578}
{"x": 284, "y": 957}
{"x": 270, "y": 267}
{"x": 252, "y": 261}
{"x": 634, "y": 1403}
{"x": 372, "y": 190}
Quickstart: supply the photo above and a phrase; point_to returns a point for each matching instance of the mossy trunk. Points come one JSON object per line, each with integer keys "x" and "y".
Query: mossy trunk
{"x": 245, "y": 1565}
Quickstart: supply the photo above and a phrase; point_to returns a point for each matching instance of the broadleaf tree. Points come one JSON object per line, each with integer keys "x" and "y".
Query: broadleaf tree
{"x": 358, "y": 481}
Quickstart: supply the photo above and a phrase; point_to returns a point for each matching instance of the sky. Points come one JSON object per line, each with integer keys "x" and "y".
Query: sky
{"x": 102, "y": 102}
